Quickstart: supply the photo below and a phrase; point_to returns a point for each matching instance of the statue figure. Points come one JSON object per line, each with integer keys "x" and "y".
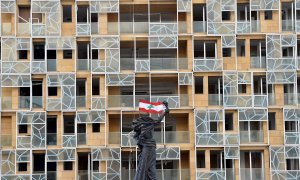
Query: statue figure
{"x": 143, "y": 128}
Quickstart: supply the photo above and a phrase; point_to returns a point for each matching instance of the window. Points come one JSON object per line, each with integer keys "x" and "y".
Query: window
{"x": 201, "y": 159}
{"x": 23, "y": 54}
{"x": 292, "y": 164}
{"x": 213, "y": 127}
{"x": 225, "y": 15}
{"x": 272, "y": 120}
{"x": 69, "y": 124}
{"x": 240, "y": 47}
{"x": 95, "y": 86}
{"x": 51, "y": 166}
{"x": 96, "y": 127}
{"x": 67, "y": 13}
{"x": 228, "y": 121}
{"x": 67, "y": 54}
{"x": 242, "y": 88}
{"x": 51, "y": 54}
{"x": 268, "y": 15}
{"x": 68, "y": 165}
{"x": 22, "y": 166}
{"x": 226, "y": 52}
{"x": 23, "y": 128}
{"x": 52, "y": 91}
{"x": 198, "y": 85}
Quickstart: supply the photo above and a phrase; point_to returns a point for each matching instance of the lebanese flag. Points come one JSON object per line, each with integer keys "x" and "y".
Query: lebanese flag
{"x": 151, "y": 107}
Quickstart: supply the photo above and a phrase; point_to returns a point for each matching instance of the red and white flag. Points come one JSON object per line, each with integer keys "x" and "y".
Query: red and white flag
{"x": 151, "y": 107}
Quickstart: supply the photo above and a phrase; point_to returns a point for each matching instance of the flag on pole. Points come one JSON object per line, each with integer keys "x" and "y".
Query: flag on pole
{"x": 151, "y": 107}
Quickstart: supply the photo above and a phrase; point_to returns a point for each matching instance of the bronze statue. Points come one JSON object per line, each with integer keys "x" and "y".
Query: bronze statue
{"x": 143, "y": 128}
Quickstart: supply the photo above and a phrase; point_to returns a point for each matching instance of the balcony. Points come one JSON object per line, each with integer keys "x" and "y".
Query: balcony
{"x": 245, "y": 27}
{"x": 24, "y": 102}
{"x": 6, "y": 140}
{"x": 215, "y": 99}
{"x": 83, "y": 65}
{"x": 199, "y": 26}
{"x": 252, "y": 137}
{"x": 127, "y": 63}
{"x": 80, "y": 101}
{"x": 287, "y": 25}
{"x": 51, "y": 139}
{"x": 53, "y": 104}
{"x": 258, "y": 62}
{"x": 120, "y": 101}
{"x": 178, "y": 137}
{"x": 6, "y": 29}
{"x": 37, "y": 102}
{"x": 252, "y": 173}
{"x": 172, "y": 99}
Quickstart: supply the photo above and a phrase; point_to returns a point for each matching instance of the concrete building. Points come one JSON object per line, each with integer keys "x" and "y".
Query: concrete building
{"x": 73, "y": 72}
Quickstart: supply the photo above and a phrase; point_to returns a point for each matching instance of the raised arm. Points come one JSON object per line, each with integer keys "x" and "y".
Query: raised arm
{"x": 166, "y": 112}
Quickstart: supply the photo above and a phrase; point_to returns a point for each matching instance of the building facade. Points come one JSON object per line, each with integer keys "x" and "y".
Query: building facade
{"x": 73, "y": 72}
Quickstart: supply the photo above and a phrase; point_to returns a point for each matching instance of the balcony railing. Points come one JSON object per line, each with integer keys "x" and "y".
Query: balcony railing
{"x": 120, "y": 101}
{"x": 81, "y": 138}
{"x": 271, "y": 99}
{"x": 98, "y": 65}
{"x": 6, "y": 103}
{"x": 134, "y": 27}
{"x": 202, "y": 65}
{"x": 174, "y": 174}
{"x": 215, "y": 99}
{"x": 38, "y": 29}
{"x": 37, "y": 101}
{"x": 112, "y": 27}
{"x": 69, "y": 140}
{"x": 127, "y": 63}
{"x": 292, "y": 137}
{"x": 24, "y": 28}
{"x": 290, "y": 99}
{"x": 287, "y": 25}
{"x": 177, "y": 137}
{"x": 199, "y": 26}
{"x": 38, "y": 66}
{"x": 245, "y": 27}
{"x": 6, "y": 140}
{"x": 114, "y": 137}
{"x": 140, "y": 97}
{"x": 252, "y": 137}
{"x": 83, "y": 174}
{"x": 258, "y": 62}
{"x": 51, "y": 65}
{"x": 83, "y": 64}
{"x": 251, "y": 173}
{"x": 51, "y": 175}
{"x": 80, "y": 101}
{"x": 24, "y": 102}
{"x": 209, "y": 139}
{"x": 98, "y": 102}
{"x": 83, "y": 28}
{"x": 51, "y": 139}
{"x": 163, "y": 64}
